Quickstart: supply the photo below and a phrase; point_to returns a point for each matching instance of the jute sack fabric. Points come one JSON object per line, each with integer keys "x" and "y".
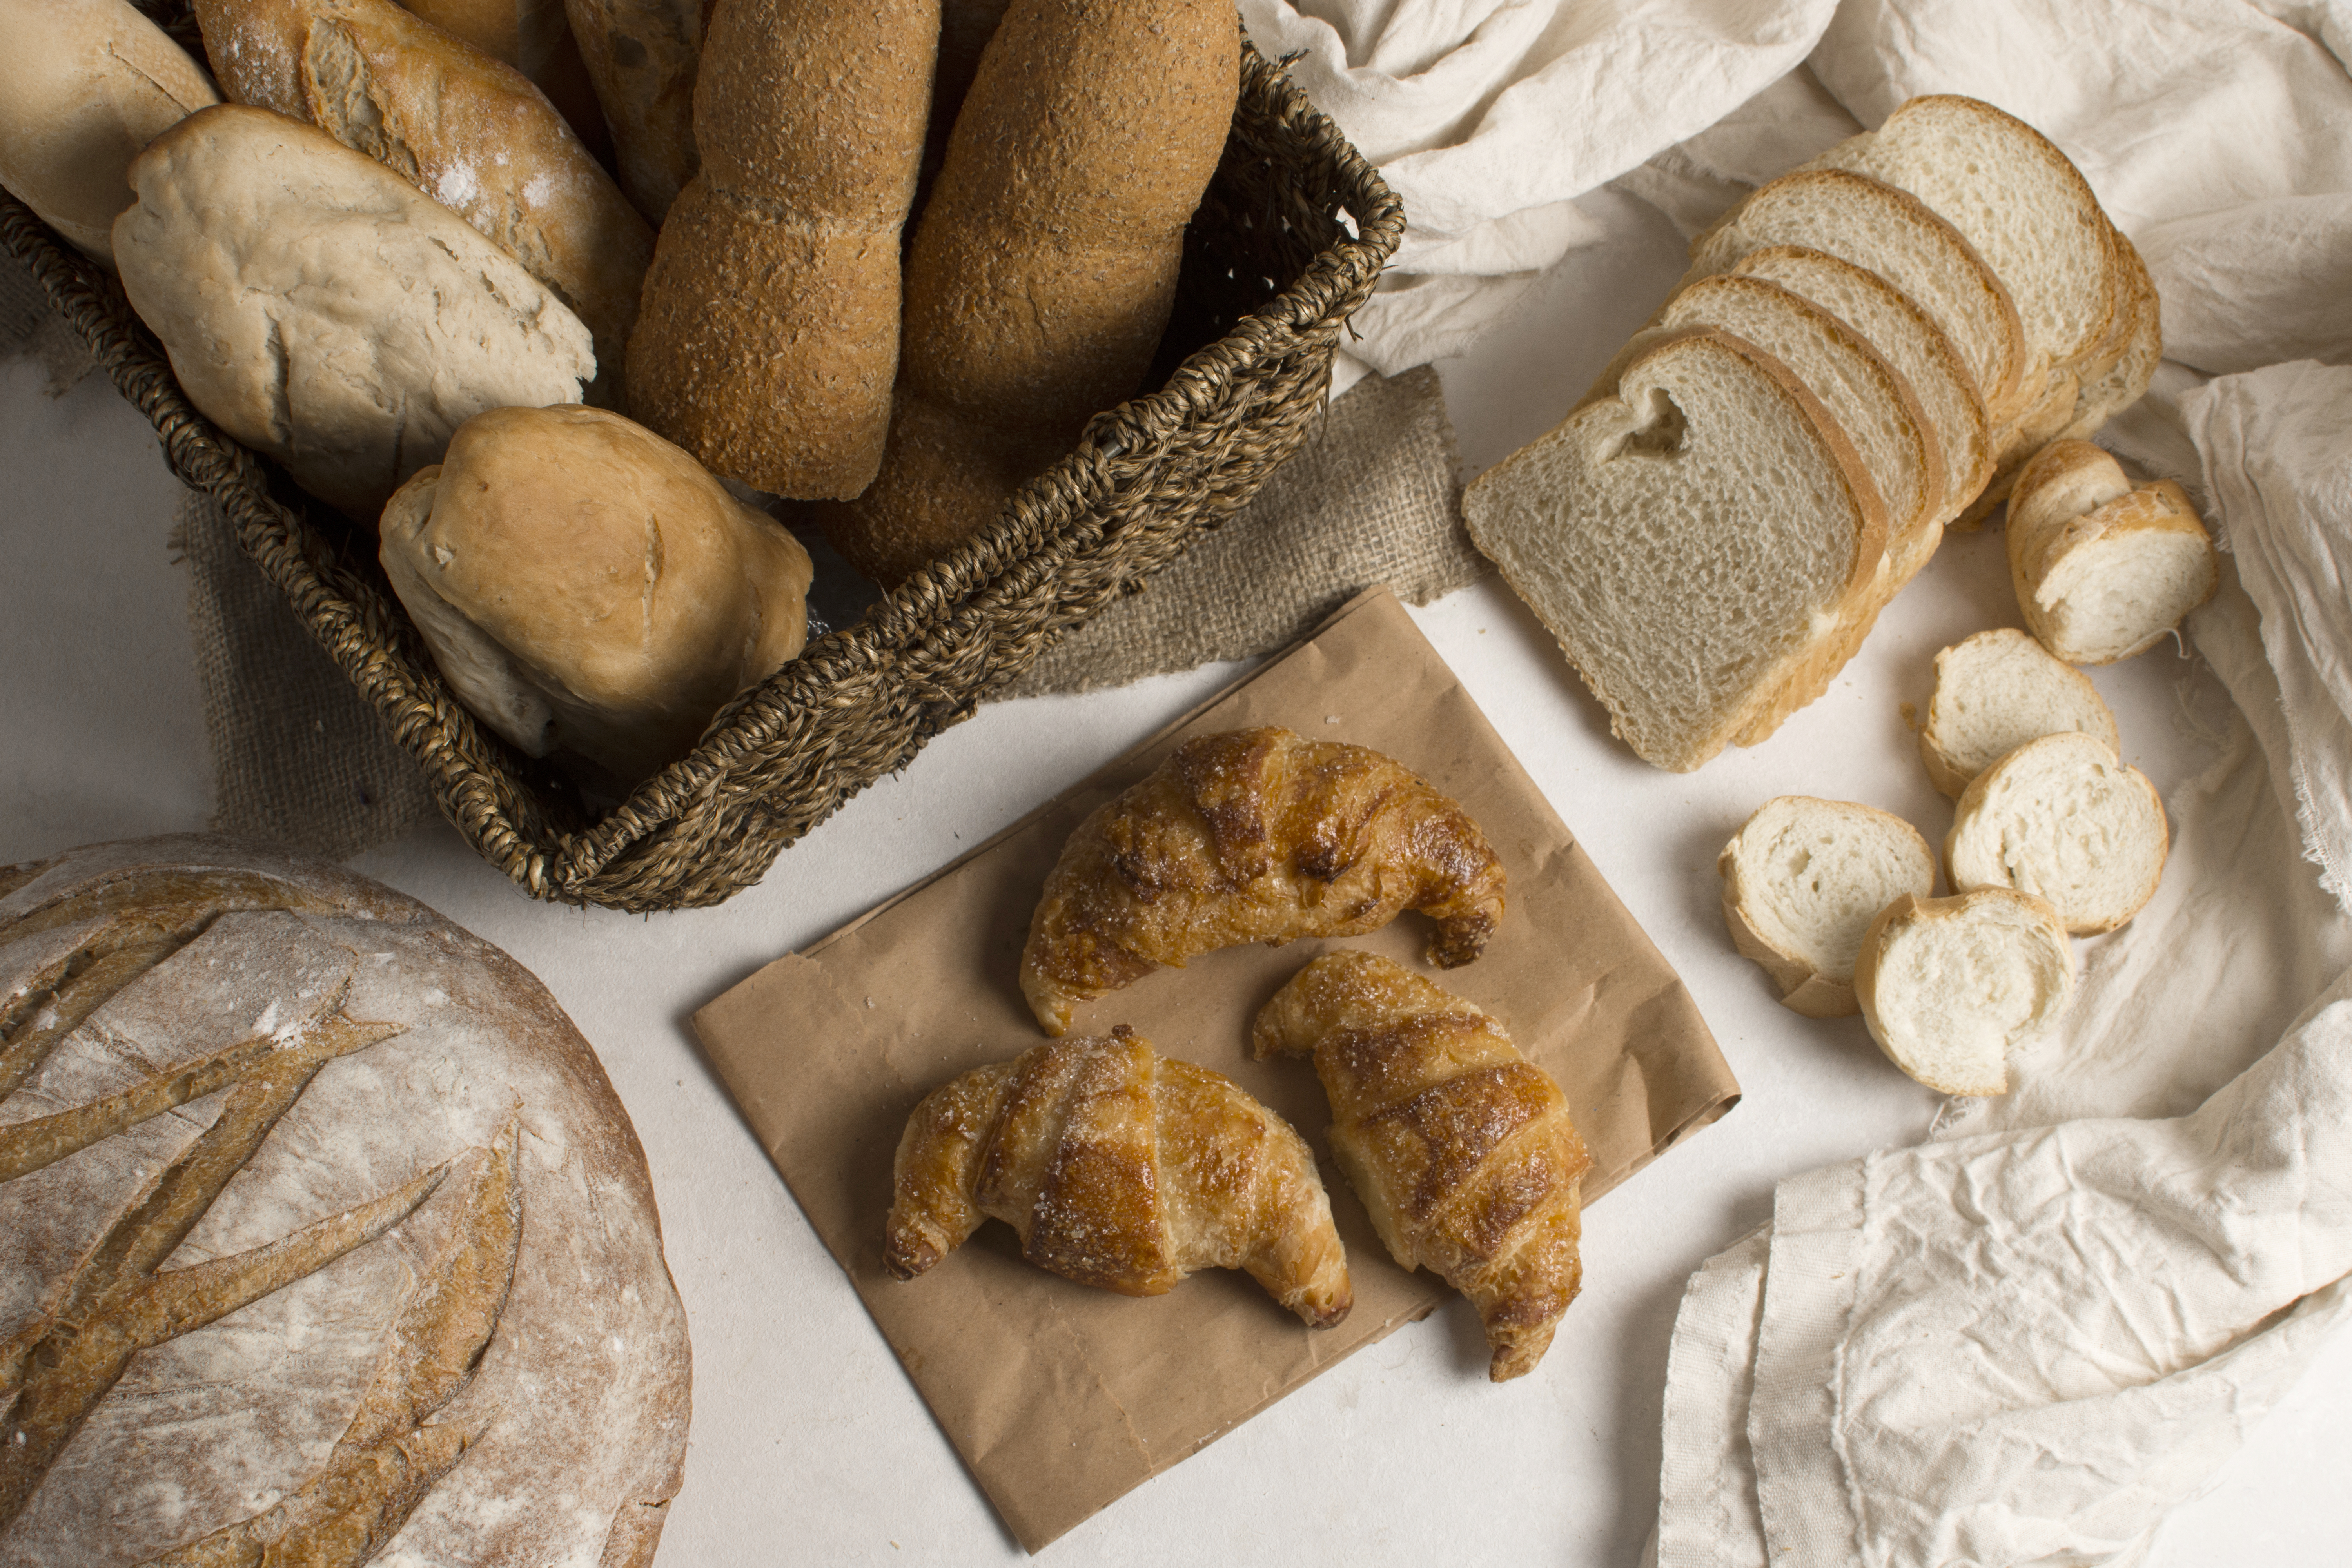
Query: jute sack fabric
{"x": 300, "y": 758}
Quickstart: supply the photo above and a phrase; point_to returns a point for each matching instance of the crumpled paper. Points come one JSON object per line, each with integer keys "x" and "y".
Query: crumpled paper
{"x": 1489, "y": 117}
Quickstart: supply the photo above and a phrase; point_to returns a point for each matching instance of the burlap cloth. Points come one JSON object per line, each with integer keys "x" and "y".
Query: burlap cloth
{"x": 299, "y": 757}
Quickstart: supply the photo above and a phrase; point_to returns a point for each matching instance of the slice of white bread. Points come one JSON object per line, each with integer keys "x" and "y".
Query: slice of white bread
{"x": 1909, "y": 340}
{"x": 1686, "y": 540}
{"x": 1994, "y": 693}
{"x": 2062, "y": 818}
{"x": 1894, "y": 233}
{"x": 2110, "y": 386}
{"x": 2102, "y": 570}
{"x": 1950, "y": 987}
{"x": 1802, "y": 882}
{"x": 2020, "y": 203}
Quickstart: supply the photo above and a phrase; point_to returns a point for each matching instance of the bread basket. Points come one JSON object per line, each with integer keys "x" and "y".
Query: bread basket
{"x": 1289, "y": 240}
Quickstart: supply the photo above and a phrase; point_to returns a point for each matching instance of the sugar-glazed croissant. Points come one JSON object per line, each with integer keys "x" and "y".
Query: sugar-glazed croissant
{"x": 1461, "y": 1148}
{"x": 1120, "y": 1168}
{"x": 1255, "y": 836}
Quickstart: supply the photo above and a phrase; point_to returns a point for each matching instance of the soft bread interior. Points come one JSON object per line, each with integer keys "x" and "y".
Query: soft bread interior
{"x": 1950, "y": 987}
{"x": 1683, "y": 539}
{"x": 1807, "y": 876}
{"x": 2060, "y": 817}
{"x": 1996, "y": 692}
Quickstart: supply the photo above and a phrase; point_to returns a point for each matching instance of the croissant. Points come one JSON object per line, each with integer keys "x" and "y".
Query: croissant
{"x": 1461, "y": 1148}
{"x": 1120, "y": 1168}
{"x": 1255, "y": 836}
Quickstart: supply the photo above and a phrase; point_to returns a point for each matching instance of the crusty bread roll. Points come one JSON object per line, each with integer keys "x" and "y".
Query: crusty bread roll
{"x": 585, "y": 584}
{"x": 1803, "y": 878}
{"x": 642, "y": 56}
{"x": 324, "y": 1237}
{"x": 464, "y": 129}
{"x": 319, "y": 307}
{"x": 1994, "y": 693}
{"x": 2104, "y": 571}
{"x": 533, "y": 37}
{"x": 1688, "y": 540}
{"x": 84, "y": 85}
{"x": 1950, "y": 987}
{"x": 1044, "y": 268}
{"x": 2062, "y": 818}
{"x": 770, "y": 334}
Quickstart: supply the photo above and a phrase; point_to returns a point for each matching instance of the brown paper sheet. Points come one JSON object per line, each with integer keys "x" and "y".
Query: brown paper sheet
{"x": 1060, "y": 1397}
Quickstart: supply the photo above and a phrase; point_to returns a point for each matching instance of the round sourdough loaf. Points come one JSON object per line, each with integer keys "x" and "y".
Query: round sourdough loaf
{"x": 321, "y": 1232}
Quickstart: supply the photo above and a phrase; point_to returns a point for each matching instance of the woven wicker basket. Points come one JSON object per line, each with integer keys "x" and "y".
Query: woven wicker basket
{"x": 1293, "y": 230}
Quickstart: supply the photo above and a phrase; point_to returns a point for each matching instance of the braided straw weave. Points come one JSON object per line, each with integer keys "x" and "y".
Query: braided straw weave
{"x": 1289, "y": 240}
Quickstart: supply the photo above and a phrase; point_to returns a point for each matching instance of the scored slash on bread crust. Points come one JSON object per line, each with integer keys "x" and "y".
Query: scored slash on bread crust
{"x": 1801, "y": 882}
{"x": 1949, "y": 987}
{"x": 1686, "y": 540}
{"x": 1996, "y": 692}
{"x": 2062, "y": 818}
{"x": 2101, "y": 570}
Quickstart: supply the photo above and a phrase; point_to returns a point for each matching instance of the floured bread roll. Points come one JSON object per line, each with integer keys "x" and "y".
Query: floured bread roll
{"x": 585, "y": 584}
{"x": 322, "y": 1235}
{"x": 84, "y": 85}
{"x": 320, "y": 309}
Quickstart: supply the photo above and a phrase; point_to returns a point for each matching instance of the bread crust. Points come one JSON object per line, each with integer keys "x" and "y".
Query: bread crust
{"x": 642, "y": 57}
{"x": 2070, "y": 505}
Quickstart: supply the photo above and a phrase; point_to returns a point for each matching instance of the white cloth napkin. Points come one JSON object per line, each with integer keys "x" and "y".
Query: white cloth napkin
{"x": 1489, "y": 117}
{"x": 2026, "y": 1341}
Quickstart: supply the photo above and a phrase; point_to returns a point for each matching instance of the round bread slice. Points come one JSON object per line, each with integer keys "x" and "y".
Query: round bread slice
{"x": 1894, "y": 233}
{"x": 2101, "y": 571}
{"x": 1948, "y": 987}
{"x": 2022, "y": 206}
{"x": 1802, "y": 882}
{"x": 1910, "y": 341}
{"x": 1994, "y": 693}
{"x": 1686, "y": 541}
{"x": 322, "y": 1235}
{"x": 2062, "y": 818}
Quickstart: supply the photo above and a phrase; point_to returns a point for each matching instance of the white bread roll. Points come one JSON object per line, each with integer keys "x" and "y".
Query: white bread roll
{"x": 323, "y": 1238}
{"x": 2104, "y": 571}
{"x": 1802, "y": 882}
{"x": 319, "y": 308}
{"x": 1994, "y": 693}
{"x": 2062, "y": 818}
{"x": 84, "y": 85}
{"x": 1688, "y": 540}
{"x": 1948, "y": 987}
{"x": 585, "y": 584}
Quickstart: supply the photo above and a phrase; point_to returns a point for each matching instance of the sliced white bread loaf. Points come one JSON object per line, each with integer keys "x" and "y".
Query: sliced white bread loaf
{"x": 1686, "y": 540}
{"x": 2101, "y": 570}
{"x": 2062, "y": 818}
{"x": 1802, "y": 882}
{"x": 1948, "y": 987}
{"x": 2019, "y": 201}
{"x": 1894, "y": 233}
{"x": 1909, "y": 340}
{"x": 1994, "y": 693}
{"x": 2110, "y": 386}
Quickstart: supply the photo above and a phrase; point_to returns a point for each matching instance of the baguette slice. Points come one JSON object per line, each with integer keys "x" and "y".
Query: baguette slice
{"x": 1802, "y": 882}
{"x": 1950, "y": 987}
{"x": 1994, "y": 693}
{"x": 1686, "y": 541}
{"x": 2103, "y": 571}
{"x": 2062, "y": 818}
{"x": 2024, "y": 206}
{"x": 1894, "y": 233}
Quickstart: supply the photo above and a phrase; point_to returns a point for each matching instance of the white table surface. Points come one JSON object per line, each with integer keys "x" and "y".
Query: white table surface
{"x": 809, "y": 1445}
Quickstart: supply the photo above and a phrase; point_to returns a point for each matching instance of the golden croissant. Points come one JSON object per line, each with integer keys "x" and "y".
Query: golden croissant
{"x": 1119, "y": 1168}
{"x": 1461, "y": 1148}
{"x": 1255, "y": 836}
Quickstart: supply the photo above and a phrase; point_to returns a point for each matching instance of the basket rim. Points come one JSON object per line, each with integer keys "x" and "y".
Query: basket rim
{"x": 1052, "y": 525}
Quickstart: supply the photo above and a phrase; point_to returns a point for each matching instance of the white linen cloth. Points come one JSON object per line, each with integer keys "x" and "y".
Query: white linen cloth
{"x": 1489, "y": 117}
{"x": 2026, "y": 1341}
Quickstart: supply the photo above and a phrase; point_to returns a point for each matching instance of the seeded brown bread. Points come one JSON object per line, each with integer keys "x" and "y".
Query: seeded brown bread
{"x": 770, "y": 334}
{"x": 1045, "y": 265}
{"x": 468, "y": 130}
{"x": 324, "y": 1237}
{"x": 642, "y": 56}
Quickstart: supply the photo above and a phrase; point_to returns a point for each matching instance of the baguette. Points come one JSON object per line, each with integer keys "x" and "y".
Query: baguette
{"x": 642, "y": 57}
{"x": 2062, "y": 818}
